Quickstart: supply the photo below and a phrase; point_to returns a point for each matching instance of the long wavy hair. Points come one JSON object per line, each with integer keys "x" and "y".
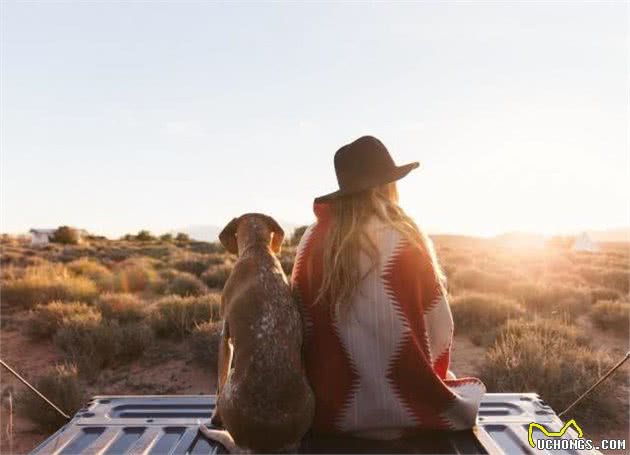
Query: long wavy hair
{"x": 348, "y": 238}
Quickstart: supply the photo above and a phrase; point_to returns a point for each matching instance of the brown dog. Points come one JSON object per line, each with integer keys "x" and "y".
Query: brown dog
{"x": 264, "y": 401}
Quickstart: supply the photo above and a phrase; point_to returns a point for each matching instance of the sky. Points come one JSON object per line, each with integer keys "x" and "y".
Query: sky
{"x": 121, "y": 116}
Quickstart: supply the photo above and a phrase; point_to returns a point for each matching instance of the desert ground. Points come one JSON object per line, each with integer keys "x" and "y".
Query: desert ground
{"x": 139, "y": 316}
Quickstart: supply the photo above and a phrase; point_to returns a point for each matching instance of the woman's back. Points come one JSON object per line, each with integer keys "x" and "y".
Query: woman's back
{"x": 381, "y": 367}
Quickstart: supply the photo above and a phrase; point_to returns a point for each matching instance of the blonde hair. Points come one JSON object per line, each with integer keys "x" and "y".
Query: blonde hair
{"x": 348, "y": 238}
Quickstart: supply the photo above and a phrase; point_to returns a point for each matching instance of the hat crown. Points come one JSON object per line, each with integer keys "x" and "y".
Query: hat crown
{"x": 364, "y": 158}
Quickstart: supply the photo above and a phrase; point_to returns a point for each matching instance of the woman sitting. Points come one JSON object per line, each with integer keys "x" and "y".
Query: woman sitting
{"x": 378, "y": 328}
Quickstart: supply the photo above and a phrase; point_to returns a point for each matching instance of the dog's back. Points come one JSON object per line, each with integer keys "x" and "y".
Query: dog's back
{"x": 266, "y": 404}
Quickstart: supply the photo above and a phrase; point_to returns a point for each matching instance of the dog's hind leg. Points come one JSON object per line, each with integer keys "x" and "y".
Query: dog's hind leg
{"x": 222, "y": 437}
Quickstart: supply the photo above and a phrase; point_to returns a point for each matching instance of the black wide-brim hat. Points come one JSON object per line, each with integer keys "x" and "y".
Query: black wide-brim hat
{"x": 365, "y": 164}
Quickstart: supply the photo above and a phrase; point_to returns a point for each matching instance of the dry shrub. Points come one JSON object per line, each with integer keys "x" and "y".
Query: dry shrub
{"x": 62, "y": 387}
{"x": 93, "y": 270}
{"x": 94, "y": 345}
{"x": 615, "y": 277}
{"x": 481, "y": 315}
{"x": 603, "y": 293}
{"x": 44, "y": 284}
{"x": 135, "y": 275}
{"x": 186, "y": 284}
{"x": 549, "y": 358}
{"x": 204, "y": 343}
{"x": 474, "y": 279}
{"x": 612, "y": 315}
{"x": 122, "y": 307}
{"x": 65, "y": 235}
{"x": 176, "y": 316}
{"x": 45, "y": 320}
{"x": 553, "y": 299}
{"x": 216, "y": 275}
{"x": 192, "y": 263}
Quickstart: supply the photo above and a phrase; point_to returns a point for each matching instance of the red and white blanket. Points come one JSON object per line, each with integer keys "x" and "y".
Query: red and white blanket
{"x": 381, "y": 371}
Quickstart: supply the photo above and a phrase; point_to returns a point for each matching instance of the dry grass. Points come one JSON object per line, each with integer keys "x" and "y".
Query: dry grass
{"x": 186, "y": 284}
{"x": 135, "y": 275}
{"x": 216, "y": 275}
{"x": 62, "y": 387}
{"x": 551, "y": 359}
{"x": 204, "y": 343}
{"x": 481, "y": 315}
{"x": 44, "y": 284}
{"x": 45, "y": 320}
{"x": 93, "y": 344}
{"x": 612, "y": 315}
{"x": 92, "y": 269}
{"x": 176, "y": 316}
{"x": 122, "y": 307}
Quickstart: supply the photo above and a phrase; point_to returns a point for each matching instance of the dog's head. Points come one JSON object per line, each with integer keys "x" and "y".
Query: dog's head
{"x": 252, "y": 228}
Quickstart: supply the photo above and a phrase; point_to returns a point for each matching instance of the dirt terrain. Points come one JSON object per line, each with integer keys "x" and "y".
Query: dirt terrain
{"x": 170, "y": 369}
{"x": 106, "y": 292}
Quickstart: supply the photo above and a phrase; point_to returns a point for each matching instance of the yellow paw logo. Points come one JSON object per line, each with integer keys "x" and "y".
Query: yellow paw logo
{"x": 557, "y": 434}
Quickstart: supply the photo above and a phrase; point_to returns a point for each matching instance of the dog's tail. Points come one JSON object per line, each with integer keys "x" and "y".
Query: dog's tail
{"x": 221, "y": 436}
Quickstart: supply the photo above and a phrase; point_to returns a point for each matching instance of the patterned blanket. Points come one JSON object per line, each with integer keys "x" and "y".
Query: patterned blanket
{"x": 383, "y": 370}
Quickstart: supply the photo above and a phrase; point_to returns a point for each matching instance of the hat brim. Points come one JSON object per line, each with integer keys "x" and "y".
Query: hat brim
{"x": 396, "y": 174}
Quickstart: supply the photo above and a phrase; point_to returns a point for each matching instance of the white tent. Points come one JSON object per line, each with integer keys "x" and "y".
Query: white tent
{"x": 584, "y": 243}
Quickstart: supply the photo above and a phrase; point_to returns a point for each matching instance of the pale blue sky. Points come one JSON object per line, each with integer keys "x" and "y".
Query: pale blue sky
{"x": 118, "y": 116}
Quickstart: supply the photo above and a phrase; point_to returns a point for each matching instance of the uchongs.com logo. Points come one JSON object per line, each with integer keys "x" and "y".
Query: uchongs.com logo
{"x": 554, "y": 440}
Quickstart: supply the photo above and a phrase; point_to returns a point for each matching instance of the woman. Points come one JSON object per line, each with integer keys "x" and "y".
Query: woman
{"x": 378, "y": 328}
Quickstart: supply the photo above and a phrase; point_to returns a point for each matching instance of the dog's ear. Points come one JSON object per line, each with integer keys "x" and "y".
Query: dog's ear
{"x": 228, "y": 236}
{"x": 278, "y": 234}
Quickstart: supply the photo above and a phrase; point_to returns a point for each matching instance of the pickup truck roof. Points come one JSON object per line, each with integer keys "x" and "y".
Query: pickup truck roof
{"x": 168, "y": 424}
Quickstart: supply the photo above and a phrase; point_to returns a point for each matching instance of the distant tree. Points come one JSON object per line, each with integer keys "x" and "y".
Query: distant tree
{"x": 297, "y": 235}
{"x": 65, "y": 235}
{"x": 128, "y": 237}
{"x": 166, "y": 237}
{"x": 144, "y": 236}
{"x": 181, "y": 237}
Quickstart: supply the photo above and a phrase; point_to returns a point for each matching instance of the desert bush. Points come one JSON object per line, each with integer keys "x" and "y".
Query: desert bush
{"x": 603, "y": 293}
{"x": 186, "y": 284}
{"x": 94, "y": 345}
{"x": 553, "y": 299}
{"x": 181, "y": 237}
{"x": 616, "y": 278}
{"x": 204, "y": 343}
{"x": 62, "y": 387}
{"x": 481, "y": 315}
{"x": 144, "y": 236}
{"x": 166, "y": 237}
{"x": 121, "y": 307}
{"x": 134, "y": 275}
{"x": 548, "y": 357}
{"x": 217, "y": 275}
{"x": 45, "y": 320}
{"x": 612, "y": 315}
{"x": 93, "y": 270}
{"x": 474, "y": 279}
{"x": 205, "y": 247}
{"x": 176, "y": 316}
{"x": 40, "y": 285}
{"x": 65, "y": 235}
{"x": 156, "y": 251}
{"x": 192, "y": 263}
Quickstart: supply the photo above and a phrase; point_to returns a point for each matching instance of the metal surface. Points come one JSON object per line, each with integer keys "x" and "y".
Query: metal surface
{"x": 112, "y": 425}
